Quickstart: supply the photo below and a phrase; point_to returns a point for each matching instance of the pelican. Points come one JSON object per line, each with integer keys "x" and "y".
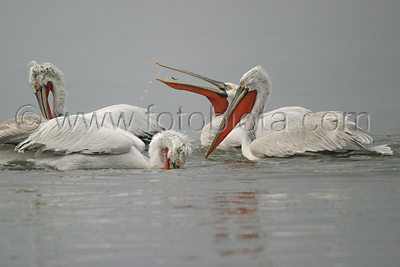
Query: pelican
{"x": 45, "y": 78}
{"x": 15, "y": 130}
{"x": 63, "y": 148}
{"x": 314, "y": 132}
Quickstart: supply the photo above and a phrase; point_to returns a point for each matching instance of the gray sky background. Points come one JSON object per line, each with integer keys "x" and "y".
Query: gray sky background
{"x": 322, "y": 55}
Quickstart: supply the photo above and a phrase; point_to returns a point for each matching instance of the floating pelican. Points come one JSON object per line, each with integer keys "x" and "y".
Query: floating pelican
{"x": 314, "y": 132}
{"x": 63, "y": 148}
{"x": 45, "y": 78}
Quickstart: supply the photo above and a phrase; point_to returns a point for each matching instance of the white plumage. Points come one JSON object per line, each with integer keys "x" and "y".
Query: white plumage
{"x": 63, "y": 138}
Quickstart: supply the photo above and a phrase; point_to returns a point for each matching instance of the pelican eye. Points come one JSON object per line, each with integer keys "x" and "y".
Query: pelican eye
{"x": 228, "y": 87}
{"x": 178, "y": 162}
{"x": 37, "y": 86}
{"x": 241, "y": 84}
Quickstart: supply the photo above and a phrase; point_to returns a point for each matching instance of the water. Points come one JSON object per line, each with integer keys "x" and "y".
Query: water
{"x": 225, "y": 211}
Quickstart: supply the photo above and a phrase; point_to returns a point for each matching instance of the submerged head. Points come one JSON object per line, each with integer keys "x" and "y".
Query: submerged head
{"x": 43, "y": 79}
{"x": 176, "y": 145}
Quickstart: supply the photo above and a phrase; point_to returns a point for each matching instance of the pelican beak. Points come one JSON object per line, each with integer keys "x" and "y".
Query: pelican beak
{"x": 241, "y": 105}
{"x": 42, "y": 96}
{"x": 169, "y": 164}
{"x": 173, "y": 165}
{"x": 217, "y": 96}
{"x": 167, "y": 161}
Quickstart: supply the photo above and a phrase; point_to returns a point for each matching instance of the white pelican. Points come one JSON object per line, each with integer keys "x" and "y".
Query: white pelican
{"x": 314, "y": 132}
{"x": 64, "y": 148}
{"x": 15, "y": 130}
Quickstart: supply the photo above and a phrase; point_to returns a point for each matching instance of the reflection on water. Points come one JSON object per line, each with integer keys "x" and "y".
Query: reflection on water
{"x": 237, "y": 219}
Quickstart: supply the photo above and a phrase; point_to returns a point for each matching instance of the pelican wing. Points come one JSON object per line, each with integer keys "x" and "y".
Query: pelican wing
{"x": 278, "y": 119}
{"x": 138, "y": 121}
{"x": 13, "y": 130}
{"x": 77, "y": 136}
{"x": 314, "y": 132}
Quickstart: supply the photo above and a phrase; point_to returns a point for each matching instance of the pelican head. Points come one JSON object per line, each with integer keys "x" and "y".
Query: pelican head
{"x": 256, "y": 79}
{"x": 177, "y": 147}
{"x": 43, "y": 79}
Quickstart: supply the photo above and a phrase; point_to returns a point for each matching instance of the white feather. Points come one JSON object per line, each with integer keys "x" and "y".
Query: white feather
{"x": 78, "y": 137}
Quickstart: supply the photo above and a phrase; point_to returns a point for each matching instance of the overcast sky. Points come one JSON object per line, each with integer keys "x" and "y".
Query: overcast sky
{"x": 323, "y": 55}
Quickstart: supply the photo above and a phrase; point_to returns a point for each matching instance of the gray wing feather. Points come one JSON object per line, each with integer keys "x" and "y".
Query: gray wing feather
{"x": 15, "y": 129}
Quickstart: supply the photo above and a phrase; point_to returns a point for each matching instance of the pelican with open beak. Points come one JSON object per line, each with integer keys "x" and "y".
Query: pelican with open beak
{"x": 241, "y": 105}
{"x": 219, "y": 98}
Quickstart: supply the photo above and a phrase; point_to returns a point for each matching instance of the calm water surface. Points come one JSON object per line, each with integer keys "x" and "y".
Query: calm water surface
{"x": 225, "y": 211}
